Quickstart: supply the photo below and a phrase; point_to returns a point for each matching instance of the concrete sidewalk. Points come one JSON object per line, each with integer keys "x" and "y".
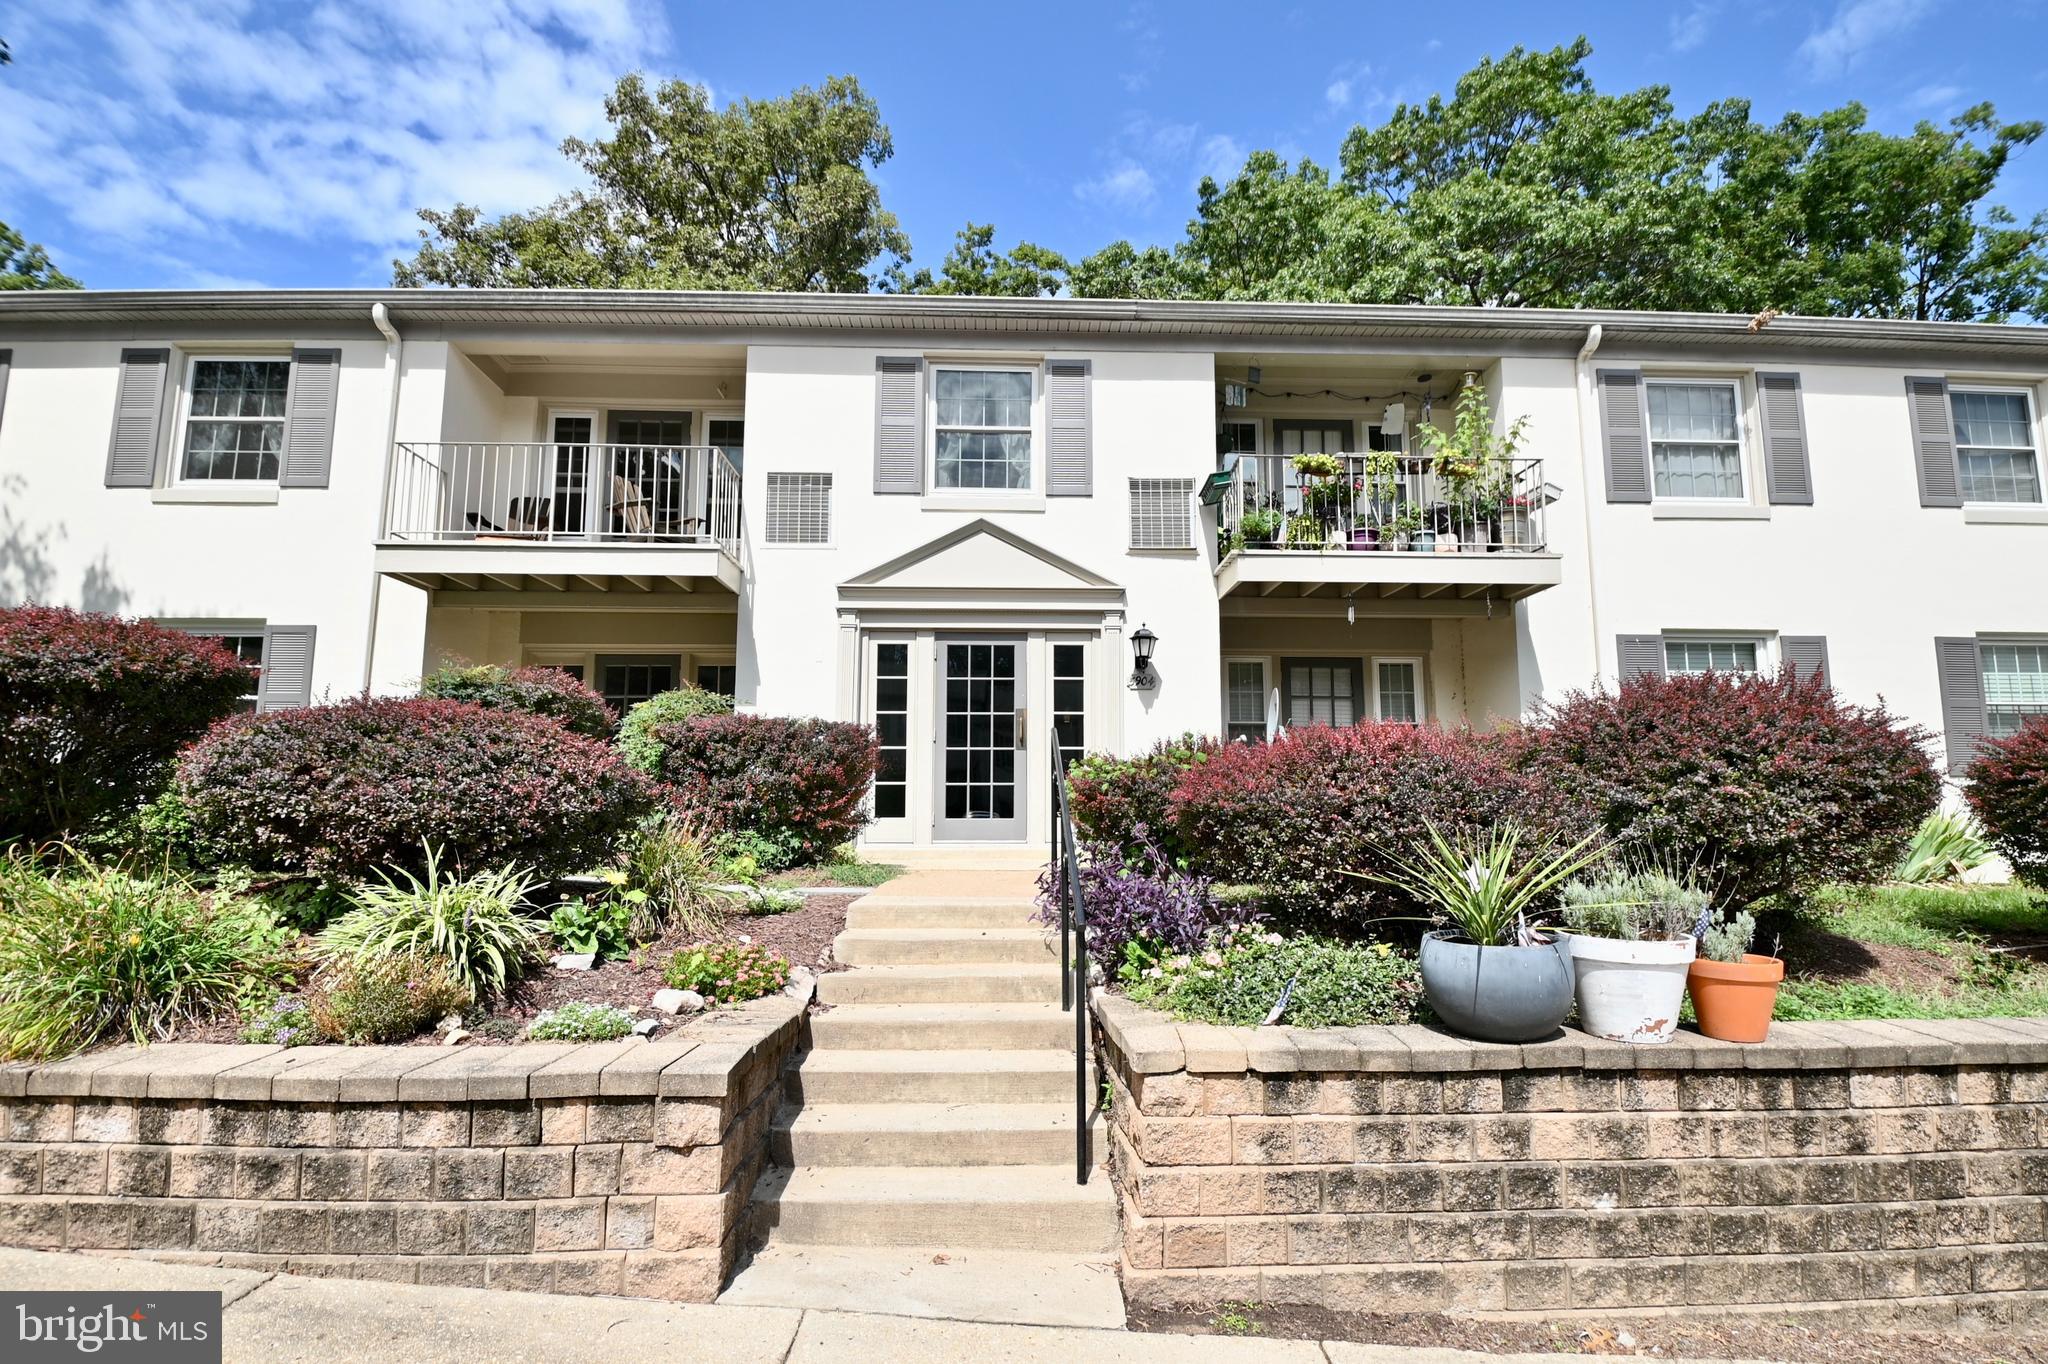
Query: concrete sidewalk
{"x": 277, "y": 1319}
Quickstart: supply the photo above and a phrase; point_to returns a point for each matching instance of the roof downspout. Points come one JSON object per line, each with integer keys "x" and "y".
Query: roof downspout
{"x": 394, "y": 363}
{"x": 1587, "y": 482}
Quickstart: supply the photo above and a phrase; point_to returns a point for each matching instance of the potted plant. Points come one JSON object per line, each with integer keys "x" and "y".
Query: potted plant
{"x": 1474, "y": 462}
{"x": 1631, "y": 942}
{"x": 1734, "y": 991}
{"x": 1304, "y": 529}
{"x": 1402, "y": 529}
{"x": 1260, "y": 525}
{"x": 1443, "y": 533}
{"x": 1489, "y": 969}
{"x": 1517, "y": 525}
{"x": 1323, "y": 488}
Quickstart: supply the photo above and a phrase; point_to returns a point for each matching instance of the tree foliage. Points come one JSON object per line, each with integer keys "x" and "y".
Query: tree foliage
{"x": 974, "y": 266}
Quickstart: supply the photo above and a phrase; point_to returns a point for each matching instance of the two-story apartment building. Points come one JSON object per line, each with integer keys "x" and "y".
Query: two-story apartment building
{"x": 954, "y": 518}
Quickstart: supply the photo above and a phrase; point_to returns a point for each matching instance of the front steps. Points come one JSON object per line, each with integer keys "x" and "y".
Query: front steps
{"x": 923, "y": 1159}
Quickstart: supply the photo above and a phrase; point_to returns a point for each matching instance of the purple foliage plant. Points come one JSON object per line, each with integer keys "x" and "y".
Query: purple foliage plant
{"x": 1145, "y": 900}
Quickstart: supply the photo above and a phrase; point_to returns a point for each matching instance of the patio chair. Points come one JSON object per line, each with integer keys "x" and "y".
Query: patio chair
{"x": 526, "y": 516}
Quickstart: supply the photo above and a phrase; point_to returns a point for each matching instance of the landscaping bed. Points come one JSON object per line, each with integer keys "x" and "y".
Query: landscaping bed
{"x": 1915, "y": 952}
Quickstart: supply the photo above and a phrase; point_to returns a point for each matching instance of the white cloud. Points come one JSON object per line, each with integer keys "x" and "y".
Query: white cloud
{"x": 153, "y": 122}
{"x": 1344, "y": 85}
{"x": 1934, "y": 97}
{"x": 1337, "y": 93}
{"x": 1220, "y": 157}
{"x": 1127, "y": 185}
{"x": 1689, "y": 29}
{"x": 1858, "y": 26}
{"x": 1433, "y": 45}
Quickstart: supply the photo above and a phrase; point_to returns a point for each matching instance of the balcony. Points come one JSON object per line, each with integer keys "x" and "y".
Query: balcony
{"x": 1392, "y": 522}
{"x": 521, "y": 516}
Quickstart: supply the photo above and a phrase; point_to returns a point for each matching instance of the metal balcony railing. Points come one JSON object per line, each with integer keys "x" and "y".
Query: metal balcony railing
{"x": 1383, "y": 501}
{"x": 544, "y": 492}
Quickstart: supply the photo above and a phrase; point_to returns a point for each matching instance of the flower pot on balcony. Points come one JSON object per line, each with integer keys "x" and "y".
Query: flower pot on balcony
{"x": 1362, "y": 537}
{"x": 1518, "y": 530}
{"x": 1734, "y": 1000}
{"x": 1497, "y": 994}
{"x": 1629, "y": 990}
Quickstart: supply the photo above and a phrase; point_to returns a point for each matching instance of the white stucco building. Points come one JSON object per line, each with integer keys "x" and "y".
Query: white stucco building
{"x": 949, "y": 517}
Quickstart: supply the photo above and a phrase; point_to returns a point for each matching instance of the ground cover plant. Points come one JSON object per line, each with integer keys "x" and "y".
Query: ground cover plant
{"x": 581, "y": 1022}
{"x": 726, "y": 972}
{"x": 383, "y": 998}
{"x": 547, "y": 692}
{"x": 1243, "y": 979}
{"x": 1887, "y": 951}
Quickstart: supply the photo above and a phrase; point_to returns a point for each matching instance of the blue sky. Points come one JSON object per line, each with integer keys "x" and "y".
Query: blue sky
{"x": 155, "y": 143}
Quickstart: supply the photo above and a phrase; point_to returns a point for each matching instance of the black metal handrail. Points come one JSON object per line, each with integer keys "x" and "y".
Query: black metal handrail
{"x": 1066, "y": 875}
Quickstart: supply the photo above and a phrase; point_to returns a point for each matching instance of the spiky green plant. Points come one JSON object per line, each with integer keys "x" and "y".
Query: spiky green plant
{"x": 1943, "y": 848}
{"x": 477, "y": 924}
{"x": 1487, "y": 884}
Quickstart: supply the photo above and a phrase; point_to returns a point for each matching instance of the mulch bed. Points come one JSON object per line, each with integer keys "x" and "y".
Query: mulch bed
{"x": 1656, "y": 1337}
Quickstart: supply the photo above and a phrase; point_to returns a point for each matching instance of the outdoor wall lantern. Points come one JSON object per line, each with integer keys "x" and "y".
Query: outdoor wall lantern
{"x": 1143, "y": 642}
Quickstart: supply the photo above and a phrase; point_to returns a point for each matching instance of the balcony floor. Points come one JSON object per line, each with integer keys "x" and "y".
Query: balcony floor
{"x": 496, "y": 566}
{"x": 1398, "y": 576}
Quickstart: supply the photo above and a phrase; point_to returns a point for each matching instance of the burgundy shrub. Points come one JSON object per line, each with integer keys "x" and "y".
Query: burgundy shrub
{"x": 1126, "y": 803}
{"x": 2009, "y": 792}
{"x": 1296, "y": 816}
{"x": 340, "y": 791}
{"x": 802, "y": 783}
{"x": 1764, "y": 784}
{"x": 93, "y": 708}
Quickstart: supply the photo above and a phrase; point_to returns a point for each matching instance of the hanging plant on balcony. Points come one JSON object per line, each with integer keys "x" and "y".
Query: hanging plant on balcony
{"x": 1474, "y": 461}
{"x": 1319, "y": 466}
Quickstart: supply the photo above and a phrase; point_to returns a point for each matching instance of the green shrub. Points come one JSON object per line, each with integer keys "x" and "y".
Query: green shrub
{"x": 1943, "y": 848}
{"x": 1327, "y": 984}
{"x": 283, "y": 1022}
{"x": 89, "y": 952}
{"x": 547, "y": 692}
{"x": 726, "y": 972}
{"x": 383, "y": 998}
{"x": 581, "y": 1022}
{"x": 475, "y": 924}
{"x": 744, "y": 854}
{"x": 636, "y": 733}
{"x": 602, "y": 926}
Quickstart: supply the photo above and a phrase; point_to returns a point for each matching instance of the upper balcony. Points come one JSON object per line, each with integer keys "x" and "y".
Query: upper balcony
{"x": 518, "y": 515}
{"x": 1408, "y": 526}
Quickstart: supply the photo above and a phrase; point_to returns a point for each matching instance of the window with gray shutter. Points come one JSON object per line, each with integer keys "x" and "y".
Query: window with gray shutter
{"x": 1806, "y": 655}
{"x": 287, "y": 667}
{"x": 899, "y": 424}
{"x": 799, "y": 509}
{"x": 1788, "y": 475}
{"x": 1959, "y": 670}
{"x": 1069, "y": 419}
{"x": 309, "y": 418}
{"x": 1624, "y": 435}
{"x": 1934, "y": 442}
{"x": 1640, "y": 655}
{"x": 1162, "y": 513}
{"x": 138, "y": 418}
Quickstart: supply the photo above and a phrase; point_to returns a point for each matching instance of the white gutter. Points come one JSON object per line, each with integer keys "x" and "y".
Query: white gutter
{"x": 1581, "y": 386}
{"x": 394, "y": 364}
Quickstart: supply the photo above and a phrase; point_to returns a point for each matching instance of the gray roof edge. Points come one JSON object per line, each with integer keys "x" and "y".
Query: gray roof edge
{"x": 26, "y": 309}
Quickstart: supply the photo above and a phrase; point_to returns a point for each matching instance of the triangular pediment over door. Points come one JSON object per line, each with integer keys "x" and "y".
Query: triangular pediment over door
{"x": 987, "y": 564}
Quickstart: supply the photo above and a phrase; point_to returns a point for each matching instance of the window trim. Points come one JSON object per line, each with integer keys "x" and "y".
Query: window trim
{"x": 1034, "y": 491}
{"x": 181, "y": 432}
{"x": 916, "y": 731}
{"x": 1984, "y": 642}
{"x": 1737, "y": 385}
{"x": 1766, "y": 647}
{"x": 1414, "y": 662}
{"x": 1265, "y": 667}
{"x": 2025, "y": 393}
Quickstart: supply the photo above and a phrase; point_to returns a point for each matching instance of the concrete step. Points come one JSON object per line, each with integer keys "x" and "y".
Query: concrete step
{"x": 958, "y": 1285}
{"x": 1036, "y": 1208}
{"x": 942, "y": 1027}
{"x": 932, "y": 1077}
{"x": 941, "y": 985}
{"x": 944, "y": 946}
{"x": 953, "y": 1134}
{"x": 877, "y": 910}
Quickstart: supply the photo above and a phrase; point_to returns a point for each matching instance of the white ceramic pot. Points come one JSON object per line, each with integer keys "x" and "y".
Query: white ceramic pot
{"x": 1630, "y": 991}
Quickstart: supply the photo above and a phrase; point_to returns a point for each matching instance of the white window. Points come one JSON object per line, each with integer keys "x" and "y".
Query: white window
{"x": 1070, "y": 700}
{"x": 1695, "y": 439}
{"x": 1162, "y": 513}
{"x": 982, "y": 428}
{"x": 1397, "y": 690}
{"x": 234, "y": 419}
{"x": 1995, "y": 445}
{"x": 246, "y": 644}
{"x": 1713, "y": 655}
{"x": 799, "y": 509}
{"x": 2015, "y": 685}
{"x": 1244, "y": 698}
{"x": 892, "y": 729}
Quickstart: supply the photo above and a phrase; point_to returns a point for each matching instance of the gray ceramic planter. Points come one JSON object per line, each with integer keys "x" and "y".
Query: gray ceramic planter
{"x": 1497, "y": 994}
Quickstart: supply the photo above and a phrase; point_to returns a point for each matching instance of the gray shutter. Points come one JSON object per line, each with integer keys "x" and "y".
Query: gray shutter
{"x": 1806, "y": 655}
{"x": 6, "y": 364}
{"x": 1069, "y": 419}
{"x": 1934, "y": 442}
{"x": 138, "y": 418}
{"x": 309, "y": 419}
{"x": 1959, "y": 667}
{"x": 899, "y": 424}
{"x": 1640, "y": 655}
{"x": 1625, "y": 434}
{"x": 287, "y": 668}
{"x": 1788, "y": 474}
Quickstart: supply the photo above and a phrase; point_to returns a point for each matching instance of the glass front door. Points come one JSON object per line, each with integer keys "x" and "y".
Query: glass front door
{"x": 982, "y": 740}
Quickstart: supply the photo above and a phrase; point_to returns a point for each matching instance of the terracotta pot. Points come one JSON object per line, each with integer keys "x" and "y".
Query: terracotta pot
{"x": 1733, "y": 999}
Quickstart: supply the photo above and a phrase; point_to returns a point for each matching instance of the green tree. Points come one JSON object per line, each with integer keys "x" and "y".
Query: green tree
{"x": 764, "y": 194}
{"x": 974, "y": 266}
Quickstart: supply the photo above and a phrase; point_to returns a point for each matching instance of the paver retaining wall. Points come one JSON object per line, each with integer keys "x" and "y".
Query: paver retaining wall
{"x": 1898, "y": 1166}
{"x": 612, "y": 1167}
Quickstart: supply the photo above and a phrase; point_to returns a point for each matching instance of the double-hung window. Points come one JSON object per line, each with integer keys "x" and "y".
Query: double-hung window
{"x": 982, "y": 421}
{"x": 1397, "y": 690}
{"x": 1244, "y": 698}
{"x": 1995, "y": 456}
{"x": 2015, "y": 685}
{"x": 1695, "y": 439}
{"x": 1686, "y": 656}
{"x": 234, "y": 422}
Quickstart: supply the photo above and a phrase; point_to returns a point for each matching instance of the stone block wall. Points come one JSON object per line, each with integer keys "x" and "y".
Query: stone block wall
{"x": 1893, "y": 1168}
{"x": 613, "y": 1167}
